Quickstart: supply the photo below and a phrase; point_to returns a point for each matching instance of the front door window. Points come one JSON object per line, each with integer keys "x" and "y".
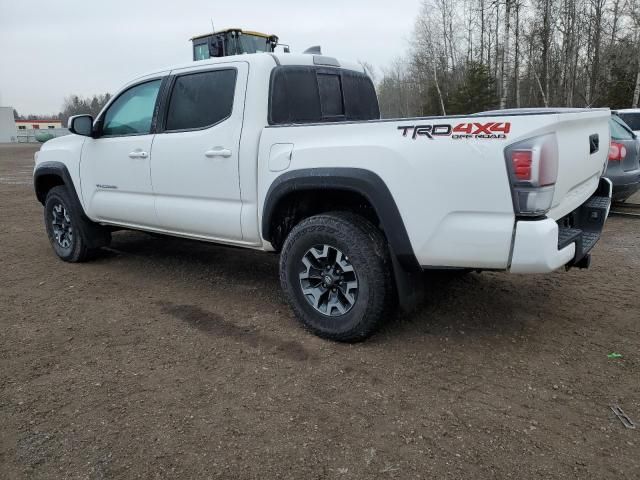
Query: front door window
{"x": 132, "y": 112}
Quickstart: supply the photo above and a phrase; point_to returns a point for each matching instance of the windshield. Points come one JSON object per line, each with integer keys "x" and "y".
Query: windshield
{"x": 631, "y": 119}
{"x": 201, "y": 52}
{"x": 253, "y": 44}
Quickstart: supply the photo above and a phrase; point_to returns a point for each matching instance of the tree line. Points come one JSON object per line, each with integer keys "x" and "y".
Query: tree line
{"x": 467, "y": 56}
{"x": 73, "y": 105}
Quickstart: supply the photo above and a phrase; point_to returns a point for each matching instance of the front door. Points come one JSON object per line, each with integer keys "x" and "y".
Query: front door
{"x": 194, "y": 159}
{"x": 115, "y": 167}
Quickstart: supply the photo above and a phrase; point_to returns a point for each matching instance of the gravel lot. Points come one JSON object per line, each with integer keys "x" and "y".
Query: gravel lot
{"x": 167, "y": 358}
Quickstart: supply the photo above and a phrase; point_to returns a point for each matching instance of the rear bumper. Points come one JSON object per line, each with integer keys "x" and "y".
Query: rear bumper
{"x": 543, "y": 246}
{"x": 623, "y": 193}
{"x": 623, "y": 190}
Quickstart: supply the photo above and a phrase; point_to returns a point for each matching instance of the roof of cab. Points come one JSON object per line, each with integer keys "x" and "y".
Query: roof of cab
{"x": 246, "y": 32}
{"x": 258, "y": 58}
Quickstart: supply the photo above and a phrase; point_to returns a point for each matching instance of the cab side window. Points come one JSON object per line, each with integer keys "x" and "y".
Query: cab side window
{"x": 132, "y": 112}
{"x": 201, "y": 100}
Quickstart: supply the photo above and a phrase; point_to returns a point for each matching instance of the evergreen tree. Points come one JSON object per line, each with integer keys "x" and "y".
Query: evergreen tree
{"x": 476, "y": 92}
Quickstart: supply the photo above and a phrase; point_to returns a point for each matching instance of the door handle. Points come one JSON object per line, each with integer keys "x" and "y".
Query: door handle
{"x": 142, "y": 155}
{"x": 218, "y": 152}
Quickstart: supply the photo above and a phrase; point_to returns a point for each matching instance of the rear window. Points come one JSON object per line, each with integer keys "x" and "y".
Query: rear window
{"x": 618, "y": 130}
{"x": 199, "y": 100}
{"x": 360, "y": 96}
{"x": 631, "y": 119}
{"x": 330, "y": 89}
{"x": 301, "y": 94}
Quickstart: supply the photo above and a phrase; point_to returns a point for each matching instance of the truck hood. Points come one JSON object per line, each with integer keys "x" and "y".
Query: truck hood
{"x": 66, "y": 141}
{"x": 61, "y": 149}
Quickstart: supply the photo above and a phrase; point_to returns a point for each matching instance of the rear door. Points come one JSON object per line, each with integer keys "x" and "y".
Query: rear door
{"x": 195, "y": 154}
{"x": 114, "y": 167}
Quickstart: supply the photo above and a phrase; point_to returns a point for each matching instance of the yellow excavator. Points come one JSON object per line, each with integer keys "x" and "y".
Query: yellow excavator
{"x": 233, "y": 41}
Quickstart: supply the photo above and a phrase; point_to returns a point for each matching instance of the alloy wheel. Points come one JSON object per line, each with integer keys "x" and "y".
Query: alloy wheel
{"x": 62, "y": 227}
{"x": 328, "y": 280}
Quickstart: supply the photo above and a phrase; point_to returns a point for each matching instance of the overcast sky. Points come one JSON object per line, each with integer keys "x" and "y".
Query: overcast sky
{"x": 49, "y": 50}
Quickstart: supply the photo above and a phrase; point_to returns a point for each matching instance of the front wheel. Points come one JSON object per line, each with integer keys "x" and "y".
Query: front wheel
{"x": 336, "y": 273}
{"x": 64, "y": 227}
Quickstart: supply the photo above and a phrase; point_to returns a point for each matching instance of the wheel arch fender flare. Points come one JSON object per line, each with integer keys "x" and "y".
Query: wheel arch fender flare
{"x": 363, "y": 182}
{"x": 95, "y": 235}
{"x": 53, "y": 169}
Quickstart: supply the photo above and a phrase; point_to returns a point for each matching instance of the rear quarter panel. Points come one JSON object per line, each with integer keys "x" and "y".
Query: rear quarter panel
{"x": 453, "y": 196}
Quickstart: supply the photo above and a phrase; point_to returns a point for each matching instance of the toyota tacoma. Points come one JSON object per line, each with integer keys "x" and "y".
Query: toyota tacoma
{"x": 288, "y": 154}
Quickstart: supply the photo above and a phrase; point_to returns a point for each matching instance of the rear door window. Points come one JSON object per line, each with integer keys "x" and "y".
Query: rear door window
{"x": 201, "y": 100}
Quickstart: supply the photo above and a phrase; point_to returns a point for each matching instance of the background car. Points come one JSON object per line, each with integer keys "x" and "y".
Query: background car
{"x": 624, "y": 160}
{"x": 630, "y": 116}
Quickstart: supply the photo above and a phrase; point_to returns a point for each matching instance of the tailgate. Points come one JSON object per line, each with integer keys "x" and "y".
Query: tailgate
{"x": 583, "y": 148}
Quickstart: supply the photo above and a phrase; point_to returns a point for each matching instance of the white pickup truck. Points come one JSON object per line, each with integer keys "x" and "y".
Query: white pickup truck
{"x": 287, "y": 153}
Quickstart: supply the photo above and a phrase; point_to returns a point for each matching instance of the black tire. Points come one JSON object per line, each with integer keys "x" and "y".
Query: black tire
{"x": 73, "y": 246}
{"x": 365, "y": 249}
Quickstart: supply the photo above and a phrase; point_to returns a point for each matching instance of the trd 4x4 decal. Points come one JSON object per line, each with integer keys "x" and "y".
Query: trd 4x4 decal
{"x": 490, "y": 131}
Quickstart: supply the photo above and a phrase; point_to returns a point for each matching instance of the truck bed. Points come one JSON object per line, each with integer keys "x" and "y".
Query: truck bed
{"x": 448, "y": 175}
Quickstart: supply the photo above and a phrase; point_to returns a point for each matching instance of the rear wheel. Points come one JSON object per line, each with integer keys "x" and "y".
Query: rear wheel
{"x": 64, "y": 227}
{"x": 336, "y": 272}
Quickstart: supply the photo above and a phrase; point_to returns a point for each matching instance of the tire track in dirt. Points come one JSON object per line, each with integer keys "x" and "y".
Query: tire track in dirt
{"x": 214, "y": 324}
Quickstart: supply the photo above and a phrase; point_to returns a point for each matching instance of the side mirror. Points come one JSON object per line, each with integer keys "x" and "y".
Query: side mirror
{"x": 81, "y": 125}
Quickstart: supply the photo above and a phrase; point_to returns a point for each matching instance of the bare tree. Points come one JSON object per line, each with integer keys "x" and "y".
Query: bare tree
{"x": 368, "y": 69}
{"x": 635, "y": 17}
{"x": 516, "y": 62}
{"x": 505, "y": 56}
{"x": 596, "y": 29}
{"x": 521, "y": 53}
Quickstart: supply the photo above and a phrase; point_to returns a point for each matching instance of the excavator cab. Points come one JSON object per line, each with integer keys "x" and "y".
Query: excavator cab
{"x": 233, "y": 41}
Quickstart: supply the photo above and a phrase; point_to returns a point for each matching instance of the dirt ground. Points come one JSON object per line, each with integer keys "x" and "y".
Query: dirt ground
{"x": 167, "y": 358}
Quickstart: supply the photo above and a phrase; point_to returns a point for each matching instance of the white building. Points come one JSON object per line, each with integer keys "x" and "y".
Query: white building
{"x": 38, "y": 124}
{"x": 8, "y": 131}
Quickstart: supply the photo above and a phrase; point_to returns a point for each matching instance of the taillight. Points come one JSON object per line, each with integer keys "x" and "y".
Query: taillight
{"x": 533, "y": 171}
{"x": 617, "y": 152}
{"x": 522, "y": 161}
